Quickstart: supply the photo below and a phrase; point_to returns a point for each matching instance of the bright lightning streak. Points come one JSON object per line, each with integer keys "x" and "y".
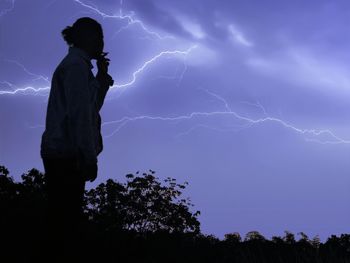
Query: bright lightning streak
{"x": 123, "y": 85}
{"x": 131, "y": 20}
{"x": 312, "y": 132}
{"x": 152, "y": 60}
{"x": 26, "y": 90}
{"x": 122, "y": 122}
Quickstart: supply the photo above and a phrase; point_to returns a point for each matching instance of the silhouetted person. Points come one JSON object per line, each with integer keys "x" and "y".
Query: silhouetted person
{"x": 72, "y": 141}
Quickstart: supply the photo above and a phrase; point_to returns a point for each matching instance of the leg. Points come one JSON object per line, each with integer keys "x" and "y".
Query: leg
{"x": 65, "y": 192}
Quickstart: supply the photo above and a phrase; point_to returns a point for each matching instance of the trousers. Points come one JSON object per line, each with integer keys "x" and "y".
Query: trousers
{"x": 65, "y": 188}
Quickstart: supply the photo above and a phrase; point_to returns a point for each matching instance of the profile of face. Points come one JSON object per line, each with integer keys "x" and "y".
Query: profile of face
{"x": 94, "y": 44}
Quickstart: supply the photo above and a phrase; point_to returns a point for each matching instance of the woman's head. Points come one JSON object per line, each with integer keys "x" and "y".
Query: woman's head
{"x": 87, "y": 34}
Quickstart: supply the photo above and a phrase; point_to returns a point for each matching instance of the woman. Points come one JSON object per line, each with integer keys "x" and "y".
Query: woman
{"x": 72, "y": 140}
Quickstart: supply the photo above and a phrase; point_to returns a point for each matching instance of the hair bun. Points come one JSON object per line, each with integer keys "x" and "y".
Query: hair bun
{"x": 68, "y": 35}
{"x": 81, "y": 31}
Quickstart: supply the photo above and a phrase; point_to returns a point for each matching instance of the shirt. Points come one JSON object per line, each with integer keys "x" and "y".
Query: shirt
{"x": 73, "y": 122}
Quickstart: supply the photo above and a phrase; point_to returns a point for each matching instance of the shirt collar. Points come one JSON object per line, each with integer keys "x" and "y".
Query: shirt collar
{"x": 81, "y": 53}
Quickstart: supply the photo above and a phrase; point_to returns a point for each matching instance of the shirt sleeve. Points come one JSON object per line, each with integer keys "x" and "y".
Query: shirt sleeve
{"x": 104, "y": 81}
{"x": 79, "y": 111}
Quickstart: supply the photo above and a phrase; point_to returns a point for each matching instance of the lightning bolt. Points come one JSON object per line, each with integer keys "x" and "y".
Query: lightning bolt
{"x": 25, "y": 90}
{"x": 129, "y": 18}
{"x": 334, "y": 139}
{"x": 29, "y": 90}
{"x": 152, "y": 60}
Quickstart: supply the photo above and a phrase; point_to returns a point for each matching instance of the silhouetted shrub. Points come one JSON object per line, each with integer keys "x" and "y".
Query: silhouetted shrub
{"x": 142, "y": 204}
{"x": 145, "y": 220}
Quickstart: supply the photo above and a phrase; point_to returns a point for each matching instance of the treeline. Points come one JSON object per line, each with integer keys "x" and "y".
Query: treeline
{"x": 144, "y": 220}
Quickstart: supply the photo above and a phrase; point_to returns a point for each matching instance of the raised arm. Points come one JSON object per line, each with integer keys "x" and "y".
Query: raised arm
{"x": 105, "y": 82}
{"x": 103, "y": 78}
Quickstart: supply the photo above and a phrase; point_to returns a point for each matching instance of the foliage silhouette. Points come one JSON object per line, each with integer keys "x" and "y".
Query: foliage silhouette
{"x": 144, "y": 220}
{"x": 143, "y": 204}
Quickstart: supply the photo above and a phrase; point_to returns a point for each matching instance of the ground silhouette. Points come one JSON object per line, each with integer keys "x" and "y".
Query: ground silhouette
{"x": 142, "y": 220}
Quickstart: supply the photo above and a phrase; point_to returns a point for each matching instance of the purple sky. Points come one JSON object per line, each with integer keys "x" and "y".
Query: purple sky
{"x": 248, "y": 101}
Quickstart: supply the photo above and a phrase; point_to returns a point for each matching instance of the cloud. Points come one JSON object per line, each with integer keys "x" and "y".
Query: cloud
{"x": 302, "y": 67}
{"x": 156, "y": 16}
{"x": 203, "y": 56}
{"x": 192, "y": 27}
{"x": 238, "y": 37}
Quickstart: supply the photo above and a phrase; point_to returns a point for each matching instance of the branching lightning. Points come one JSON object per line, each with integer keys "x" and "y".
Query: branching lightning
{"x": 146, "y": 64}
{"x": 152, "y": 60}
{"x": 333, "y": 139}
{"x": 26, "y": 90}
{"x": 131, "y": 20}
